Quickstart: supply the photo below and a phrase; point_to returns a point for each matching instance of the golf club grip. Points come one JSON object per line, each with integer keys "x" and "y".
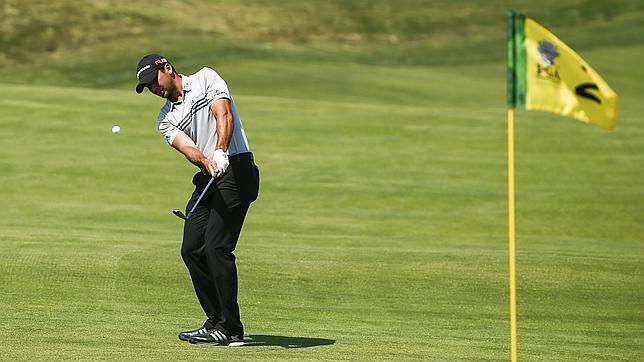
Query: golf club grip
{"x": 201, "y": 196}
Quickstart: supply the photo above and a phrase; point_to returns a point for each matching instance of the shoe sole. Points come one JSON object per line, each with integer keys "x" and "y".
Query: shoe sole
{"x": 233, "y": 342}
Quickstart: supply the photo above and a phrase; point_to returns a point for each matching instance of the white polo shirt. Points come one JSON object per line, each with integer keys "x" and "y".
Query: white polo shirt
{"x": 193, "y": 117}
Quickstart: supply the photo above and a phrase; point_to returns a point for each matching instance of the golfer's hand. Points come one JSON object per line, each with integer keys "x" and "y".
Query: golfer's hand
{"x": 209, "y": 167}
{"x": 187, "y": 147}
{"x": 221, "y": 160}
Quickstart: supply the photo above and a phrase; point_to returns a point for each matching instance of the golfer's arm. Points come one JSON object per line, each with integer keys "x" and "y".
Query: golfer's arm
{"x": 224, "y": 118}
{"x": 187, "y": 147}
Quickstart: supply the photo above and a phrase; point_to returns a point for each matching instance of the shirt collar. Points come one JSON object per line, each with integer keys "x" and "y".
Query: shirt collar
{"x": 185, "y": 84}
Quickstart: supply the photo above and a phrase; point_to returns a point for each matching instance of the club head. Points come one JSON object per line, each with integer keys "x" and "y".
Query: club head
{"x": 179, "y": 214}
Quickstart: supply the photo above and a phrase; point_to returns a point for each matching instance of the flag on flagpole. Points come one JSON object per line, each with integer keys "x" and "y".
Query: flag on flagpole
{"x": 544, "y": 74}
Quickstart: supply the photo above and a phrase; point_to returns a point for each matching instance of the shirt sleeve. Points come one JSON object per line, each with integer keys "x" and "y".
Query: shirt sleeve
{"x": 167, "y": 128}
{"x": 215, "y": 86}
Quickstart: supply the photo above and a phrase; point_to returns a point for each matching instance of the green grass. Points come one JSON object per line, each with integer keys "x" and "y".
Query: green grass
{"x": 381, "y": 228}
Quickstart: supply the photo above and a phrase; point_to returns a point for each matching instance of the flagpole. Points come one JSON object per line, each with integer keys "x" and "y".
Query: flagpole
{"x": 512, "y": 246}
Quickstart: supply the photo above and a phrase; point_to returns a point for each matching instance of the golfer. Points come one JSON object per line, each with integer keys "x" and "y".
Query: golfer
{"x": 199, "y": 119}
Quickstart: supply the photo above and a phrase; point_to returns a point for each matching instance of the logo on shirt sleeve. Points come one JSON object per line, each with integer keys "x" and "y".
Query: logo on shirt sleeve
{"x": 218, "y": 93}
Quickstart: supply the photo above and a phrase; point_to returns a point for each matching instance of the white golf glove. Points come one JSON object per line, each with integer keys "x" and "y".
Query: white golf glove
{"x": 221, "y": 159}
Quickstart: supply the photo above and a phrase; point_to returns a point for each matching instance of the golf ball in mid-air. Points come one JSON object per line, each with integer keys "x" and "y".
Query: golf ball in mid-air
{"x": 116, "y": 129}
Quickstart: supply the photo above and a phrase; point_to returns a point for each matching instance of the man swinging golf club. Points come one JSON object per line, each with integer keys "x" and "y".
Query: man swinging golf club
{"x": 199, "y": 119}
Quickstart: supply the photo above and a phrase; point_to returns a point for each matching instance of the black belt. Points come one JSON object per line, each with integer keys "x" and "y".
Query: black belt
{"x": 241, "y": 157}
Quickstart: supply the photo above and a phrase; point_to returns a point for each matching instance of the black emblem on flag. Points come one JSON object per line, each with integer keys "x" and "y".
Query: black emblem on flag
{"x": 582, "y": 91}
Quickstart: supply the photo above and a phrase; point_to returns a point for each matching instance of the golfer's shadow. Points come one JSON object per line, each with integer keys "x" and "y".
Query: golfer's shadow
{"x": 286, "y": 342}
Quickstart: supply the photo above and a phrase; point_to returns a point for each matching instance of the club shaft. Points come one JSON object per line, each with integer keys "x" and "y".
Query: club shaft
{"x": 201, "y": 196}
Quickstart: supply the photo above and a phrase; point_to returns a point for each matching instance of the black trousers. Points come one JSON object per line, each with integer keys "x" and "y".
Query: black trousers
{"x": 210, "y": 236}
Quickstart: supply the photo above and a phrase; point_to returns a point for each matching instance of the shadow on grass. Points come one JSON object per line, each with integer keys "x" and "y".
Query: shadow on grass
{"x": 286, "y": 342}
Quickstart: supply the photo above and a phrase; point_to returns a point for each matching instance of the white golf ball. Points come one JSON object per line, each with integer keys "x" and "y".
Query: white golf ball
{"x": 116, "y": 129}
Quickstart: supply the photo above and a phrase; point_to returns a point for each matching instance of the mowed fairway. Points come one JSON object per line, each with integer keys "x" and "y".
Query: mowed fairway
{"x": 380, "y": 232}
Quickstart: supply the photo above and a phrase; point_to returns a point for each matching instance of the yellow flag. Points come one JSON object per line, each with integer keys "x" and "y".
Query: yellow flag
{"x": 544, "y": 74}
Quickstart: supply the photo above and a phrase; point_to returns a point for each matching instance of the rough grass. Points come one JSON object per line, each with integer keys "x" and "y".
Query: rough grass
{"x": 413, "y": 32}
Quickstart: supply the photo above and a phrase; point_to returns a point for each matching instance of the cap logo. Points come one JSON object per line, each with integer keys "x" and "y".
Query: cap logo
{"x": 138, "y": 74}
{"x": 160, "y": 61}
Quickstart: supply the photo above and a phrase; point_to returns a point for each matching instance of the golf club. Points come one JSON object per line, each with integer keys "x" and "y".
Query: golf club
{"x": 180, "y": 214}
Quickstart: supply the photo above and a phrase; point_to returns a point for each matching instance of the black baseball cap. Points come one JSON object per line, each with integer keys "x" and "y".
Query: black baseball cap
{"x": 146, "y": 71}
